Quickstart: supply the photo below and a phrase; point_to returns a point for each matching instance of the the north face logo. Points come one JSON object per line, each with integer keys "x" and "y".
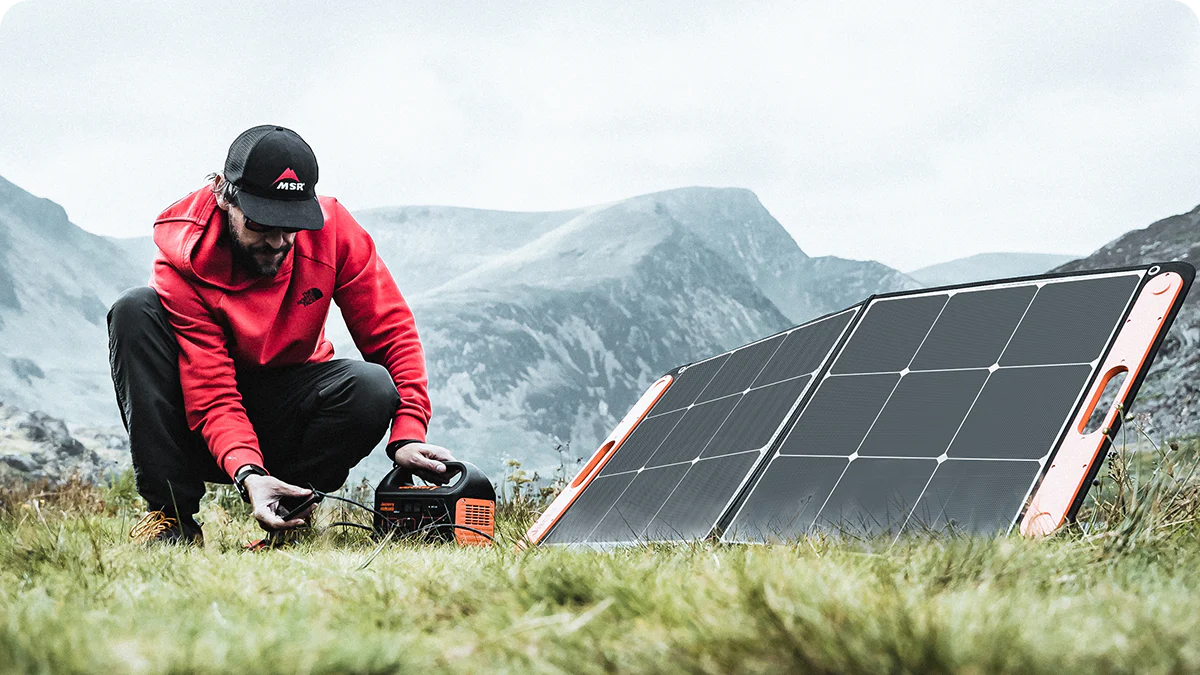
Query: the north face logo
{"x": 288, "y": 175}
{"x": 310, "y": 296}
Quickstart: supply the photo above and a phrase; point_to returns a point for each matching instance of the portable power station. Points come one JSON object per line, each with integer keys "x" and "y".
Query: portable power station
{"x": 443, "y": 511}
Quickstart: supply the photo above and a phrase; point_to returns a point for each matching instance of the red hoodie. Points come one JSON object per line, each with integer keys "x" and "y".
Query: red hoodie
{"x": 226, "y": 319}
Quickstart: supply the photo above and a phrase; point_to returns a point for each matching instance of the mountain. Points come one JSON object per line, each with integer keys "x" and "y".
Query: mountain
{"x": 56, "y": 284}
{"x": 1171, "y": 391}
{"x": 543, "y": 328}
{"x": 540, "y": 329}
{"x": 730, "y": 222}
{"x": 984, "y": 266}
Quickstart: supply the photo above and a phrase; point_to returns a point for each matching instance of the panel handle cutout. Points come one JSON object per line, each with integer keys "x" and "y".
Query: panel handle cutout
{"x": 597, "y": 460}
{"x": 1103, "y": 400}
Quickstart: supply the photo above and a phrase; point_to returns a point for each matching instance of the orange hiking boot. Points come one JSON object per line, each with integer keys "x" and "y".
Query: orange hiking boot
{"x": 157, "y": 527}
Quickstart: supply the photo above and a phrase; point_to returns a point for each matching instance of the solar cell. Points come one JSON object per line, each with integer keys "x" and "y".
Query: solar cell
{"x": 689, "y": 513}
{"x": 981, "y": 496}
{"x": 1020, "y": 412}
{"x": 839, "y": 415}
{"x": 688, "y": 384}
{"x": 1088, "y": 307}
{"x": 889, "y": 334}
{"x": 688, "y": 439}
{"x": 788, "y": 497}
{"x": 974, "y": 328}
{"x": 923, "y": 411}
{"x": 739, "y": 371}
{"x": 755, "y": 418}
{"x": 642, "y": 443}
{"x": 585, "y": 513}
{"x": 632, "y": 511}
{"x": 875, "y": 495}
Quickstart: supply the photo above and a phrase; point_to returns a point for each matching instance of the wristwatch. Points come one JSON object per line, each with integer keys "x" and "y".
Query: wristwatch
{"x": 239, "y": 478}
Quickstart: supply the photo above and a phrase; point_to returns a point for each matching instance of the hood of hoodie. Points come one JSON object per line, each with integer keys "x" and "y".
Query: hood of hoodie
{"x": 191, "y": 237}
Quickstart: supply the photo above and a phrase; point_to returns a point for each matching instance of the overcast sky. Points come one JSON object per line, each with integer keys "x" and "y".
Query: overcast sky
{"x": 909, "y": 133}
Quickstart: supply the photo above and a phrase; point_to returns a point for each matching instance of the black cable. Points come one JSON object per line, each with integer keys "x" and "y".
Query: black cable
{"x": 385, "y": 519}
{"x": 456, "y": 526}
{"x": 359, "y": 505}
{"x": 342, "y": 523}
{"x": 431, "y": 526}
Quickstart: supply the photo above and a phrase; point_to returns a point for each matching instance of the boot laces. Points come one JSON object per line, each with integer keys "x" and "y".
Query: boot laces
{"x": 150, "y": 526}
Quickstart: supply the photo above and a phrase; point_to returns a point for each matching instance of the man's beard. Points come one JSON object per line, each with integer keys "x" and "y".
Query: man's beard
{"x": 258, "y": 266}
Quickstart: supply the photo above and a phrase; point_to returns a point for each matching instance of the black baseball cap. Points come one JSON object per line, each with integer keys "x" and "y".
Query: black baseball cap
{"x": 277, "y": 174}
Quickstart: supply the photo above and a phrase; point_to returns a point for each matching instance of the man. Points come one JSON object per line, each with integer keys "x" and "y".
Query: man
{"x": 221, "y": 367}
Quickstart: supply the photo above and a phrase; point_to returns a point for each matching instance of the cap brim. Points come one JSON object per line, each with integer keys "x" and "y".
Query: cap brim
{"x": 304, "y": 214}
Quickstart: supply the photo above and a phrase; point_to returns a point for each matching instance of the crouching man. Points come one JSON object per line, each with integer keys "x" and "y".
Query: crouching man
{"x": 221, "y": 366}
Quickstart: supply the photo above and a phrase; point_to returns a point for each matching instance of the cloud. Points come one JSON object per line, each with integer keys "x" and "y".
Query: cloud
{"x": 900, "y": 133}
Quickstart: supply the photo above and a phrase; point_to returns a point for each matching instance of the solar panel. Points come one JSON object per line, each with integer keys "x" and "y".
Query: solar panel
{"x": 929, "y": 410}
{"x": 676, "y": 473}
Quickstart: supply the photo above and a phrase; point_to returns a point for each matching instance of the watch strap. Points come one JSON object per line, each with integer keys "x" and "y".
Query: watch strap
{"x": 396, "y": 445}
{"x": 239, "y": 478}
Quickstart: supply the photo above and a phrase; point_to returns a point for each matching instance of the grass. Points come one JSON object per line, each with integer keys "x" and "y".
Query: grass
{"x": 1117, "y": 593}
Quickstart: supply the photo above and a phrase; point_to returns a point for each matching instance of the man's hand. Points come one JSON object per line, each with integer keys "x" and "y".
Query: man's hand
{"x": 265, "y": 493}
{"x": 424, "y": 460}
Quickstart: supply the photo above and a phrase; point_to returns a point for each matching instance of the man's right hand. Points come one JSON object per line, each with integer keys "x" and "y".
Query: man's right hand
{"x": 265, "y": 494}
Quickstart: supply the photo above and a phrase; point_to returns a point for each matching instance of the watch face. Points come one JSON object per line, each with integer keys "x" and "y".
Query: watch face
{"x": 247, "y": 470}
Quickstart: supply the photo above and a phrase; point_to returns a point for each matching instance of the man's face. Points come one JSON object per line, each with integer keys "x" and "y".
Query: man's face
{"x": 258, "y": 253}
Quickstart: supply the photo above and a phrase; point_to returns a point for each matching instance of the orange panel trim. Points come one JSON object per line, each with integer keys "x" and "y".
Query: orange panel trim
{"x": 590, "y": 470}
{"x": 1069, "y": 471}
{"x": 479, "y": 514}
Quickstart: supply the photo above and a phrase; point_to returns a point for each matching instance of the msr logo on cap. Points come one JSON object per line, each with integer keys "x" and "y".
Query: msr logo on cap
{"x": 288, "y": 175}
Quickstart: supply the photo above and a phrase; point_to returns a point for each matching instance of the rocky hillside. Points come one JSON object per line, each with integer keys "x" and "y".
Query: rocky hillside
{"x": 34, "y": 445}
{"x": 1171, "y": 393}
{"x": 543, "y": 329}
{"x": 730, "y": 222}
{"x": 540, "y": 328}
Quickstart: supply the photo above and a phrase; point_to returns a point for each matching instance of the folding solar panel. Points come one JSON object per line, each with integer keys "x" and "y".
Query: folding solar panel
{"x": 966, "y": 408}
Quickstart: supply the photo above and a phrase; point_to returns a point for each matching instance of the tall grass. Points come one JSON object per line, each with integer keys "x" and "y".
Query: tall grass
{"x": 1114, "y": 593}
{"x": 1148, "y": 492}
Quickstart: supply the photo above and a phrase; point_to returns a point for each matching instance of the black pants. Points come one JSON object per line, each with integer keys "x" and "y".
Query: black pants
{"x": 314, "y": 421}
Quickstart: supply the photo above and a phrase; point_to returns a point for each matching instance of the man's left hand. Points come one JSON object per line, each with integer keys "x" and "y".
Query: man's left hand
{"x": 424, "y": 460}
{"x": 266, "y": 493}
